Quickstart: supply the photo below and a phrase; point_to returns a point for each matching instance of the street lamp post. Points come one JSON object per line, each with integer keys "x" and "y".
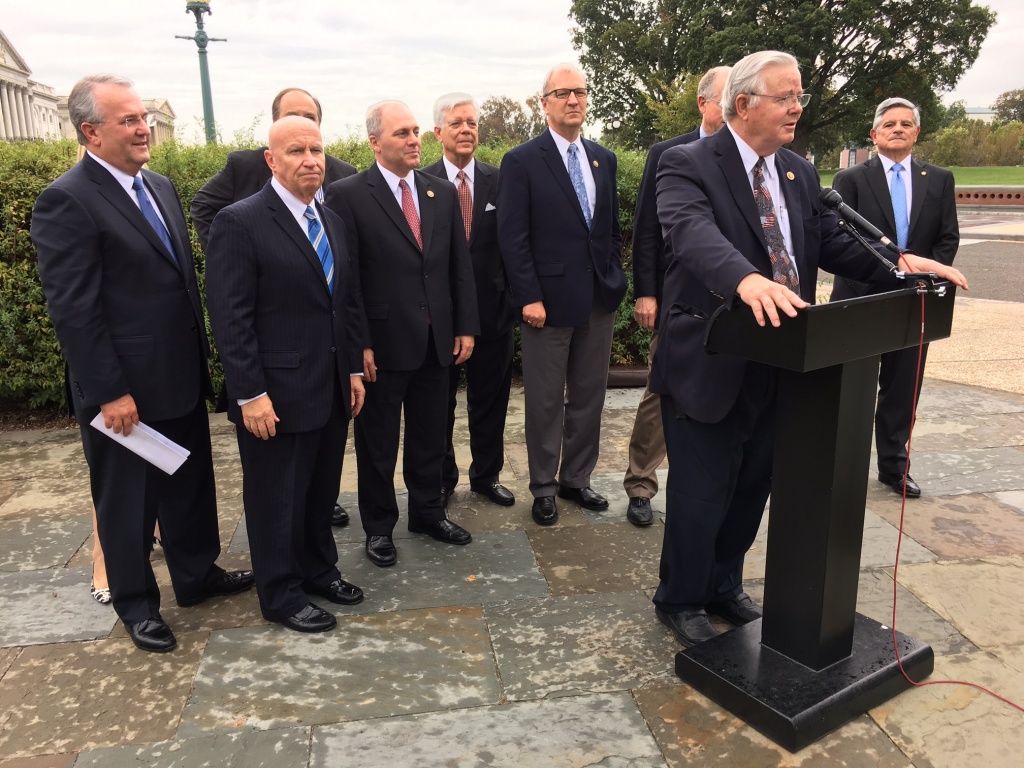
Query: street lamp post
{"x": 201, "y": 39}
{"x": 613, "y": 124}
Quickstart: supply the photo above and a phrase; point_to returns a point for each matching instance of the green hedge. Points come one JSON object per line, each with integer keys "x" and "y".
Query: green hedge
{"x": 31, "y": 367}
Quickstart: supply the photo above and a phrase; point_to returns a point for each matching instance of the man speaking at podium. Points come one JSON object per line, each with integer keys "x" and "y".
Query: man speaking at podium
{"x": 741, "y": 218}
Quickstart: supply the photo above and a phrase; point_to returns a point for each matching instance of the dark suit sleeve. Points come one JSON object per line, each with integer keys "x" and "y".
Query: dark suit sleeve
{"x": 334, "y": 200}
{"x": 215, "y": 195}
{"x": 947, "y": 239}
{"x": 232, "y": 276}
{"x": 514, "y": 231}
{"x": 647, "y": 242}
{"x": 71, "y": 270}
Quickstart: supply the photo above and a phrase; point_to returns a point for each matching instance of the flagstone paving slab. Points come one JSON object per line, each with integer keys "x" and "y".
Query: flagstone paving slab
{"x": 988, "y": 431}
{"x": 259, "y": 678}
{"x": 7, "y": 657}
{"x": 978, "y": 470}
{"x": 941, "y": 397}
{"x": 957, "y": 527}
{"x": 7, "y": 489}
{"x": 43, "y": 761}
{"x": 952, "y": 726}
{"x": 49, "y": 494}
{"x": 694, "y": 731}
{"x": 51, "y": 606}
{"x": 279, "y": 748}
{"x": 564, "y": 646}
{"x": 598, "y": 558}
{"x": 40, "y": 539}
{"x": 983, "y": 598}
{"x": 602, "y": 730}
{"x": 1014, "y": 499}
{"x": 69, "y": 696}
{"x": 34, "y": 453}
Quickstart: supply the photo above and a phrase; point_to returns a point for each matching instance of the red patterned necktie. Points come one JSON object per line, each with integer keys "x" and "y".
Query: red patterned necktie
{"x": 465, "y": 202}
{"x": 783, "y": 271}
{"x": 409, "y": 209}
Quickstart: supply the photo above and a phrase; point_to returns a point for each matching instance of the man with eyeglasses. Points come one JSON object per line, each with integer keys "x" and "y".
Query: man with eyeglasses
{"x": 489, "y": 370}
{"x": 742, "y": 223}
{"x": 558, "y": 226}
{"x": 914, "y": 204}
{"x": 117, "y": 270}
{"x": 246, "y": 172}
{"x": 647, "y": 442}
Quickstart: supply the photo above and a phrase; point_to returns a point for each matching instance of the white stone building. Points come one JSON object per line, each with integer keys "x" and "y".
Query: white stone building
{"x": 28, "y": 110}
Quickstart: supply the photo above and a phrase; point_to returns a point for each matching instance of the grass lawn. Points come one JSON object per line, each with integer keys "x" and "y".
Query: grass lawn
{"x": 1001, "y": 176}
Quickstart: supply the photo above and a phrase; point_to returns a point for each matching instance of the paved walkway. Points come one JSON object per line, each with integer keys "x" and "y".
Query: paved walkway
{"x": 531, "y": 646}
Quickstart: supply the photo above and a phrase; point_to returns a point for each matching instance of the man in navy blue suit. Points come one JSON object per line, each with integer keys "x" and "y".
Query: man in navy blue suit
{"x": 742, "y": 223}
{"x": 558, "y": 229}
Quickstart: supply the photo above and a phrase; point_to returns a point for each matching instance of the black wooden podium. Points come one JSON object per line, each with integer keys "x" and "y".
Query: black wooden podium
{"x": 813, "y": 663}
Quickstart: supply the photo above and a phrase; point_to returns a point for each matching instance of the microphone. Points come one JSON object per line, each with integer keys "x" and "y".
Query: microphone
{"x": 833, "y": 200}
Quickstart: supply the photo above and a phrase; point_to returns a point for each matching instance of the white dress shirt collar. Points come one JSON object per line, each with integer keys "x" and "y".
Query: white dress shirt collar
{"x": 296, "y": 207}
{"x": 453, "y": 171}
{"x": 122, "y": 178}
{"x": 392, "y": 179}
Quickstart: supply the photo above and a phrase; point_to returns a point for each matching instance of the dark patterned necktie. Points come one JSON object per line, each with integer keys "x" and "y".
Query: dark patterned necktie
{"x": 783, "y": 271}
{"x": 465, "y": 202}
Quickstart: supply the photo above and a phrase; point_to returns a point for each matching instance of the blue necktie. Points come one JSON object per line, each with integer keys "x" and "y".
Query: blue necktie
{"x": 899, "y": 206}
{"x": 576, "y": 176}
{"x": 320, "y": 245}
{"x": 151, "y": 215}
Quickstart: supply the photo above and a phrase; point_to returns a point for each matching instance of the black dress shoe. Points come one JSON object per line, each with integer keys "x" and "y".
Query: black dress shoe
{"x": 689, "y": 627}
{"x": 339, "y": 518}
{"x": 544, "y": 510}
{"x": 585, "y": 497}
{"x": 442, "y": 530}
{"x": 738, "y": 610}
{"x": 227, "y": 583}
{"x": 152, "y": 635}
{"x": 310, "y": 619}
{"x": 381, "y": 550}
{"x": 640, "y": 512}
{"x": 495, "y": 492}
{"x": 338, "y": 591}
{"x": 896, "y": 483}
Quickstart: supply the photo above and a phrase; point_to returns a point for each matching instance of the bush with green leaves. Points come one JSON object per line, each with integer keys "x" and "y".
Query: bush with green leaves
{"x": 31, "y": 366}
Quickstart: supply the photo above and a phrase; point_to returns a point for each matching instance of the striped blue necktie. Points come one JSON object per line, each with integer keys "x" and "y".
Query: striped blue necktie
{"x": 576, "y": 176}
{"x": 151, "y": 215}
{"x": 320, "y": 245}
{"x": 899, "y": 205}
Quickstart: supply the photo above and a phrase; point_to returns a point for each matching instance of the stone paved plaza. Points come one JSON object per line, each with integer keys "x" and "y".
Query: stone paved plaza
{"x": 532, "y": 646}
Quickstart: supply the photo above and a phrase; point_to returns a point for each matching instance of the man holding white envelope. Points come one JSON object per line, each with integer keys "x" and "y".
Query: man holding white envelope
{"x": 116, "y": 267}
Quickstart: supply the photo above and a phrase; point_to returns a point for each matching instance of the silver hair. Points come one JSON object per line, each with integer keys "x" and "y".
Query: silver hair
{"x": 448, "y": 102}
{"x": 563, "y": 67}
{"x": 82, "y": 106}
{"x": 706, "y": 86}
{"x": 747, "y": 76}
{"x": 888, "y": 104}
{"x": 374, "y": 116}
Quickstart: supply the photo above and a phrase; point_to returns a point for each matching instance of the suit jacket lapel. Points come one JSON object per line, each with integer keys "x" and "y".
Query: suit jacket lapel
{"x": 553, "y": 158}
{"x": 879, "y": 187}
{"x": 168, "y": 205}
{"x": 600, "y": 178}
{"x": 425, "y": 193}
{"x": 386, "y": 198}
{"x": 918, "y": 192}
{"x": 284, "y": 219}
{"x": 738, "y": 180}
{"x": 483, "y": 187}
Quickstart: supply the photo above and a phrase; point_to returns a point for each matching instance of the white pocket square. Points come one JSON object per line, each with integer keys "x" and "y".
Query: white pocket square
{"x": 490, "y": 207}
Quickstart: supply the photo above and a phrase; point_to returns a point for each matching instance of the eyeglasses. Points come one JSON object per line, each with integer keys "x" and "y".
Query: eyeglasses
{"x": 130, "y": 122}
{"x": 563, "y": 93}
{"x": 802, "y": 99}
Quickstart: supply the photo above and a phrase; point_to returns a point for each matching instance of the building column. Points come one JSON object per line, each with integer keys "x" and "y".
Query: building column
{"x": 34, "y": 131}
{"x": 26, "y": 122}
{"x": 19, "y": 114}
{"x": 5, "y": 103}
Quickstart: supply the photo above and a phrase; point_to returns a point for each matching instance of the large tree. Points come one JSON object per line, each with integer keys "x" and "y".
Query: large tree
{"x": 1009, "y": 106}
{"x": 503, "y": 120}
{"x": 852, "y": 53}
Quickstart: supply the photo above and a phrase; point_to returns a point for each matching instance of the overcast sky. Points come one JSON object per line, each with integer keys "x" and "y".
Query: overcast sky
{"x": 349, "y": 53}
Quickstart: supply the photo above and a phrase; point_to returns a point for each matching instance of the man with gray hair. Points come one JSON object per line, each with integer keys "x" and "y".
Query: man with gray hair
{"x": 116, "y": 267}
{"x": 489, "y": 370}
{"x": 752, "y": 208}
{"x": 406, "y": 230}
{"x": 647, "y": 443}
{"x": 914, "y": 204}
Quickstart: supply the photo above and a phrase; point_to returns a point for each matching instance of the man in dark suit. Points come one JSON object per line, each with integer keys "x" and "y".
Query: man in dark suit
{"x": 286, "y": 313}
{"x": 489, "y": 370}
{"x": 417, "y": 281}
{"x": 246, "y": 173}
{"x": 926, "y": 224}
{"x": 558, "y": 225}
{"x": 120, "y": 285}
{"x": 647, "y": 442}
{"x": 753, "y": 209}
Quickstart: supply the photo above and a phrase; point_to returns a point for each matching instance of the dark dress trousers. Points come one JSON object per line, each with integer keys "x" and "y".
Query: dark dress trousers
{"x": 489, "y": 370}
{"x": 417, "y": 302}
{"x": 647, "y": 441}
{"x": 935, "y": 233}
{"x": 552, "y": 256}
{"x": 719, "y": 410}
{"x": 244, "y": 174}
{"x": 280, "y": 330}
{"x": 129, "y": 320}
